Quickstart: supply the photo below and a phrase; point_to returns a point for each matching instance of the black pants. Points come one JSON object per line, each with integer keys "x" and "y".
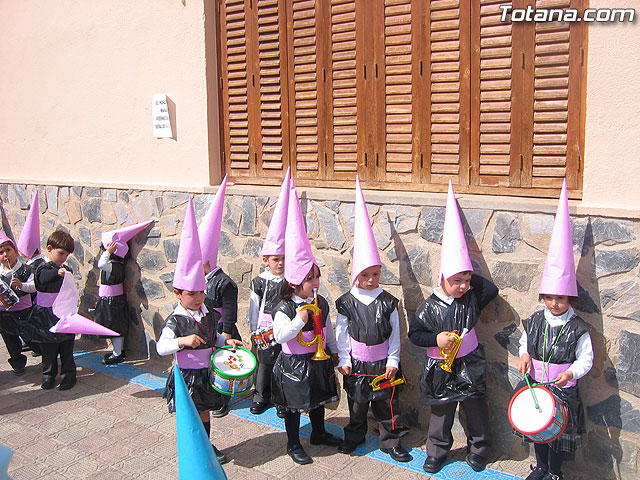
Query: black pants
{"x": 14, "y": 347}
{"x": 356, "y": 430}
{"x": 50, "y": 352}
{"x": 292, "y": 425}
{"x": 262, "y": 392}
{"x": 440, "y": 439}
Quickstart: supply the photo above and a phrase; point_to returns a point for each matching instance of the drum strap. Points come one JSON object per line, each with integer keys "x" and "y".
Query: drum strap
{"x": 204, "y": 334}
{"x": 546, "y": 358}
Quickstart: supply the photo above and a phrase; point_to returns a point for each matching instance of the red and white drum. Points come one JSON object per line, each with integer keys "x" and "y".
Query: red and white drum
{"x": 8, "y": 297}
{"x": 543, "y": 424}
{"x": 263, "y": 338}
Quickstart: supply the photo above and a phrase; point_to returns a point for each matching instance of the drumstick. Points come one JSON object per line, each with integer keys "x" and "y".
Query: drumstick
{"x": 535, "y": 400}
{"x": 544, "y": 383}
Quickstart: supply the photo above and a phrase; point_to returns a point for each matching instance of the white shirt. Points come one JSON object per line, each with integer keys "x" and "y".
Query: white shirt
{"x": 285, "y": 329}
{"x": 342, "y": 332}
{"x": 256, "y": 304}
{"x": 103, "y": 263}
{"x": 29, "y": 286}
{"x": 584, "y": 349}
{"x": 448, "y": 299}
{"x": 168, "y": 342}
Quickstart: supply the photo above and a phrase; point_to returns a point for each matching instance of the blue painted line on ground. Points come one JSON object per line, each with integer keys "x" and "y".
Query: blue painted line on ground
{"x": 453, "y": 470}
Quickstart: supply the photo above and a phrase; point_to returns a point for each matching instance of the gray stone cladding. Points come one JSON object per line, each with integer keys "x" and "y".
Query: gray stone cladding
{"x": 508, "y": 247}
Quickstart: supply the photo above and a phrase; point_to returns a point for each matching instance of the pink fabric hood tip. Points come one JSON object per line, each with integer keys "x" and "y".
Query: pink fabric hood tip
{"x": 454, "y": 257}
{"x": 29, "y": 240}
{"x": 274, "y": 241}
{"x": 209, "y": 230}
{"x": 366, "y": 254}
{"x": 65, "y": 307}
{"x": 189, "y": 273}
{"x": 298, "y": 258}
{"x": 122, "y": 235}
{"x": 559, "y": 275}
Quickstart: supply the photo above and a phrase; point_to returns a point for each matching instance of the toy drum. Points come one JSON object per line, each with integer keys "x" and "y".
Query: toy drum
{"x": 542, "y": 425}
{"x": 8, "y": 297}
{"x": 232, "y": 371}
{"x": 263, "y": 338}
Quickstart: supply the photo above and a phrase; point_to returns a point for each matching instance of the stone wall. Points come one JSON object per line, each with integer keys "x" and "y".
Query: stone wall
{"x": 507, "y": 246}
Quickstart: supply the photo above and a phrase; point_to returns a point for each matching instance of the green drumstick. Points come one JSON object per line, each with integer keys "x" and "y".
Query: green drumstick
{"x": 535, "y": 400}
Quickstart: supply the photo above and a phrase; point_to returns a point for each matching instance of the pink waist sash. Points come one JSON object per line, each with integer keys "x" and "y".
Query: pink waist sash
{"x": 23, "y": 304}
{"x": 294, "y": 347}
{"x": 110, "y": 290}
{"x": 266, "y": 320}
{"x": 553, "y": 370}
{"x": 469, "y": 344}
{"x": 45, "y": 299}
{"x": 369, "y": 353}
{"x": 219, "y": 310}
{"x": 194, "y": 359}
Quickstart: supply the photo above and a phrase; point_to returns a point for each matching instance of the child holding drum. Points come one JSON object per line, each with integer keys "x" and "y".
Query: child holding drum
{"x": 368, "y": 338}
{"x": 303, "y": 374}
{"x": 555, "y": 347}
{"x": 454, "y": 370}
{"x": 265, "y": 296}
{"x": 190, "y": 332}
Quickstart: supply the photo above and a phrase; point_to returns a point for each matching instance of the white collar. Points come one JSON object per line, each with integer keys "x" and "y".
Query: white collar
{"x": 440, "y": 294}
{"x": 267, "y": 275}
{"x": 15, "y": 267}
{"x": 212, "y": 272}
{"x": 361, "y": 292}
{"x": 196, "y": 314}
{"x": 298, "y": 299}
{"x": 553, "y": 320}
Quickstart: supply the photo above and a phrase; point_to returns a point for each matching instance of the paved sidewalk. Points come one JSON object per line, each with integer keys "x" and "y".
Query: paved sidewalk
{"x": 114, "y": 425}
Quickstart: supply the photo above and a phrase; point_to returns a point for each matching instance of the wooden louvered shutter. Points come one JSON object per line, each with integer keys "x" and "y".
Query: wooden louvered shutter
{"x": 554, "y": 118}
{"x": 448, "y": 44}
{"x": 255, "y": 97}
{"x": 495, "y": 119}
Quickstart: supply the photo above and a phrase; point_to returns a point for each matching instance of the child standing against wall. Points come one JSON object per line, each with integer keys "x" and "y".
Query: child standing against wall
{"x": 265, "y": 296}
{"x": 455, "y": 305}
{"x": 368, "y": 338}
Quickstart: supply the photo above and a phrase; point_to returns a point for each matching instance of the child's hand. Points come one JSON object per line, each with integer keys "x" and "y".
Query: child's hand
{"x": 345, "y": 370}
{"x": 563, "y": 378}
{"x": 524, "y": 364}
{"x": 112, "y": 247}
{"x": 235, "y": 343}
{"x": 303, "y": 314}
{"x": 334, "y": 358}
{"x": 16, "y": 283}
{"x": 226, "y": 335}
{"x": 61, "y": 272}
{"x": 390, "y": 373}
{"x": 444, "y": 341}
{"x": 192, "y": 341}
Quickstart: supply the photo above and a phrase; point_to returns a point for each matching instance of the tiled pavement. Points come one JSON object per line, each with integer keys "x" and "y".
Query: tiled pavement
{"x": 108, "y": 427}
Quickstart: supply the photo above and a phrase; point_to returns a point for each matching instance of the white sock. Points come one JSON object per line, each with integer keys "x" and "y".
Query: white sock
{"x": 117, "y": 343}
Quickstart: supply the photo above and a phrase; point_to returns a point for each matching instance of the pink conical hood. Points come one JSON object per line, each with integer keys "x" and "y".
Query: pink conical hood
{"x": 29, "y": 240}
{"x": 65, "y": 307}
{"x": 209, "y": 230}
{"x": 4, "y": 238}
{"x": 274, "y": 241}
{"x": 559, "y": 275}
{"x": 454, "y": 257}
{"x": 122, "y": 235}
{"x": 298, "y": 258}
{"x": 189, "y": 274}
{"x": 365, "y": 249}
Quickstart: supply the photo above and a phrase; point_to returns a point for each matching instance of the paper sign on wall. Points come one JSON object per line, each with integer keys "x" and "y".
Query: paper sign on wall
{"x": 160, "y": 113}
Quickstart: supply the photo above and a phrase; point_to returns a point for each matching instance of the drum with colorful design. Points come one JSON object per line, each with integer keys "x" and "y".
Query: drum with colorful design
{"x": 232, "y": 370}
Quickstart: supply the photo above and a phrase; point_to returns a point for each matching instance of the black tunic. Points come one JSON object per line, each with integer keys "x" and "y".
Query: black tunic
{"x": 197, "y": 380}
{"x": 113, "y": 312}
{"x": 467, "y": 379}
{"x": 298, "y": 383}
{"x": 371, "y": 325}
{"x": 14, "y": 322}
{"x": 269, "y": 292}
{"x": 222, "y": 293}
{"x": 563, "y": 352}
{"x": 42, "y": 318}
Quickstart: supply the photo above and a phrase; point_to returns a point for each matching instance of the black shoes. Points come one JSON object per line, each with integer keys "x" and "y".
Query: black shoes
{"x": 348, "y": 447}
{"x": 475, "y": 461}
{"x": 537, "y": 473}
{"x": 281, "y": 411}
{"x": 111, "y": 359}
{"x": 325, "y": 439}
{"x": 433, "y": 464}
{"x": 48, "y": 383}
{"x": 222, "y": 458}
{"x": 552, "y": 476}
{"x": 223, "y": 411}
{"x": 258, "y": 408}
{"x": 298, "y": 455}
{"x": 398, "y": 453}
{"x": 67, "y": 383}
{"x": 18, "y": 371}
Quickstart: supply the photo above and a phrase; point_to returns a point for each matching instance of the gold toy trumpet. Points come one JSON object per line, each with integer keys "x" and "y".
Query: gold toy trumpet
{"x": 450, "y": 355}
{"x": 318, "y": 338}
